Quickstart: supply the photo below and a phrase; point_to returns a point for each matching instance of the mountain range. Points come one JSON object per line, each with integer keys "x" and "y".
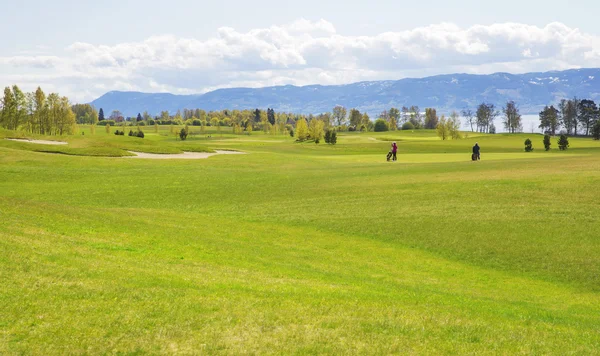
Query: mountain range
{"x": 531, "y": 92}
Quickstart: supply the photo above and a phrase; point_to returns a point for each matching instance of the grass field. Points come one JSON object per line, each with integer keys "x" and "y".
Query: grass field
{"x": 299, "y": 248}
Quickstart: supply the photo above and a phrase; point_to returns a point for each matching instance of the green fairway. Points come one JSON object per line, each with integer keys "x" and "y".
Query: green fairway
{"x": 298, "y": 248}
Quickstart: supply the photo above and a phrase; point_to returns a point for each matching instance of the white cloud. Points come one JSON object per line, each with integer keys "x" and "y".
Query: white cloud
{"x": 300, "y": 53}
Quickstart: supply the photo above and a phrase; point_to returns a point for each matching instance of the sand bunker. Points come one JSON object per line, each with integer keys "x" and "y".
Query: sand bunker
{"x": 184, "y": 155}
{"x": 41, "y": 142}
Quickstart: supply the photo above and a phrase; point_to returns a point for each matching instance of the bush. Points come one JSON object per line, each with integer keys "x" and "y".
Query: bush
{"x": 196, "y": 122}
{"x": 328, "y": 136}
{"x": 333, "y": 139}
{"x": 528, "y": 145}
{"x": 547, "y": 142}
{"x": 141, "y": 123}
{"x": 408, "y": 126}
{"x": 140, "y": 134}
{"x": 106, "y": 122}
{"x": 292, "y": 133}
{"x": 130, "y": 133}
{"x": 183, "y": 134}
{"x": 381, "y": 125}
{"x": 563, "y": 142}
{"x": 117, "y": 133}
{"x": 150, "y": 122}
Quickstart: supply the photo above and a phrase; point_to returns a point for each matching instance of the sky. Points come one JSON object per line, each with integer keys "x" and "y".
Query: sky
{"x": 83, "y": 49}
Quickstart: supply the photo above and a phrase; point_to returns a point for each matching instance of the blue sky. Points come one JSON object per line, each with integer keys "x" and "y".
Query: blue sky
{"x": 83, "y": 48}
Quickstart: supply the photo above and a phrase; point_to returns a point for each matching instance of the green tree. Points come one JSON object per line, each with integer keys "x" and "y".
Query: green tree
{"x": 596, "y": 130}
{"x": 339, "y": 115}
{"x": 8, "y": 109}
{"x": 512, "y": 118}
{"x": 381, "y": 125}
{"x": 563, "y": 142}
{"x": 333, "y": 139}
{"x": 442, "y": 129}
{"x": 528, "y": 145}
{"x": 485, "y": 116}
{"x": 301, "y": 130}
{"x": 453, "y": 124}
{"x": 355, "y": 118}
{"x": 588, "y": 114}
{"x": 315, "y": 129}
{"x": 431, "y": 118}
{"x": 394, "y": 118}
{"x": 547, "y": 142}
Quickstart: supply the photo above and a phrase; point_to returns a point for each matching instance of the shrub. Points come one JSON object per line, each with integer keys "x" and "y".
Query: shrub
{"x": 141, "y": 123}
{"x": 563, "y": 142}
{"x": 106, "y": 123}
{"x": 547, "y": 142}
{"x": 122, "y": 133}
{"x": 196, "y": 122}
{"x": 150, "y": 122}
{"x": 528, "y": 145}
{"x": 328, "y": 136}
{"x": 333, "y": 139}
{"x": 130, "y": 133}
{"x": 381, "y": 125}
{"x": 140, "y": 134}
{"x": 183, "y": 134}
{"x": 117, "y": 133}
{"x": 291, "y": 132}
{"x": 408, "y": 126}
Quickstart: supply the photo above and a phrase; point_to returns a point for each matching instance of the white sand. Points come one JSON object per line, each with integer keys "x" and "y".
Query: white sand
{"x": 184, "y": 155}
{"x": 41, "y": 142}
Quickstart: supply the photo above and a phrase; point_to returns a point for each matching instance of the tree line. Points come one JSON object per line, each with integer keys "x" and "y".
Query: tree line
{"x": 36, "y": 113}
{"x": 574, "y": 116}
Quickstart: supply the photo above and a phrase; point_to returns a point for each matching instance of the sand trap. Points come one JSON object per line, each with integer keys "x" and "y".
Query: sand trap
{"x": 41, "y": 142}
{"x": 184, "y": 155}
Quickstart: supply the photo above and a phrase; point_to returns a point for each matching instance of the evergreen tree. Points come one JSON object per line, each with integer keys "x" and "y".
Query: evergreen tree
{"x": 528, "y": 145}
{"x": 547, "y": 142}
{"x": 139, "y": 117}
{"x": 563, "y": 142}
{"x": 101, "y": 115}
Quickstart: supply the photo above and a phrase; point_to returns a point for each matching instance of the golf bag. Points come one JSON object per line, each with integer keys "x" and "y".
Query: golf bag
{"x": 389, "y": 156}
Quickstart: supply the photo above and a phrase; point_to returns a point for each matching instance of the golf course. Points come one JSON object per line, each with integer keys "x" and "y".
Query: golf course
{"x": 298, "y": 248}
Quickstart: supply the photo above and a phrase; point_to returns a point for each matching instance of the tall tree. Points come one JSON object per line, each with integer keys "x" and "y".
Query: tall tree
{"x": 549, "y": 120}
{"x": 8, "y": 109}
{"x": 486, "y": 114}
{"x": 453, "y": 124}
{"x": 339, "y": 115}
{"x": 588, "y": 114}
{"x": 394, "y": 118}
{"x": 139, "y": 117}
{"x": 565, "y": 117}
{"x": 101, "y": 115}
{"x": 355, "y": 118}
{"x": 20, "y": 113}
{"x": 415, "y": 116}
{"x": 301, "y": 130}
{"x": 431, "y": 118}
{"x": 257, "y": 115}
{"x": 40, "y": 111}
{"x": 271, "y": 116}
{"x": 512, "y": 118}
{"x": 470, "y": 117}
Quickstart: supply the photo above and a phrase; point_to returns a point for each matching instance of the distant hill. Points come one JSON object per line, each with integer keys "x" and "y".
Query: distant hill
{"x": 531, "y": 91}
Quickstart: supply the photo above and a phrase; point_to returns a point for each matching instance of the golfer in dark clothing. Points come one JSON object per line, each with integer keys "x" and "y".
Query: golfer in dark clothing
{"x": 476, "y": 155}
